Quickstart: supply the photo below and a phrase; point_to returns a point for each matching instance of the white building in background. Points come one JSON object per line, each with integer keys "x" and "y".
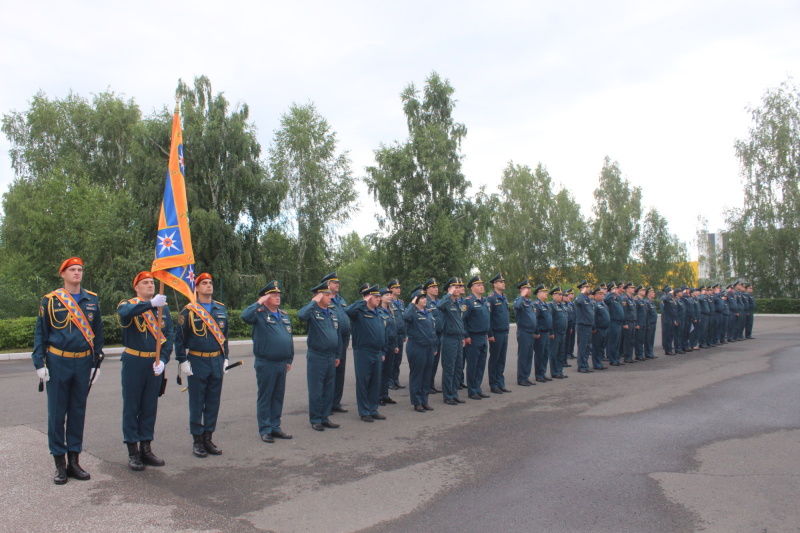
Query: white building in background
{"x": 713, "y": 263}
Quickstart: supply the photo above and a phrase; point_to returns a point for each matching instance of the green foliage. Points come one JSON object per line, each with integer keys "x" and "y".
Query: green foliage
{"x": 616, "y": 225}
{"x": 319, "y": 187}
{"x": 764, "y": 237}
{"x": 663, "y": 258}
{"x": 778, "y": 306}
{"x": 429, "y": 226}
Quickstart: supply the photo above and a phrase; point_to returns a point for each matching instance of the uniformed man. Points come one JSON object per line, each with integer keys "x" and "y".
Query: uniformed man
{"x": 392, "y": 320}
{"x": 680, "y": 313}
{"x": 420, "y": 325}
{"x": 630, "y": 325}
{"x": 602, "y": 321}
{"x": 751, "y": 311}
{"x": 203, "y": 333}
{"x": 498, "y": 330}
{"x": 399, "y": 307}
{"x": 617, "y": 312}
{"x": 694, "y": 331}
{"x": 431, "y": 290}
{"x": 476, "y": 334}
{"x": 148, "y": 345}
{"x": 557, "y": 347}
{"x": 652, "y": 322}
{"x": 669, "y": 321}
{"x": 690, "y": 318}
{"x": 737, "y": 313}
{"x": 719, "y": 315}
{"x": 569, "y": 297}
{"x": 641, "y": 323}
{"x": 585, "y": 325}
{"x": 339, "y": 305}
{"x": 67, "y": 352}
{"x": 369, "y": 346}
{"x": 726, "y": 315}
{"x": 324, "y": 342}
{"x": 705, "y": 313}
{"x": 273, "y": 348}
{"x": 544, "y": 334}
{"x": 453, "y": 340}
{"x": 525, "y": 313}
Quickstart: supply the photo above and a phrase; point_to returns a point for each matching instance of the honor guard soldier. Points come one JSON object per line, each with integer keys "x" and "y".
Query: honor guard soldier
{"x": 393, "y": 320}
{"x": 641, "y": 323}
{"x": 431, "y": 290}
{"x": 322, "y": 357}
{"x": 751, "y": 311}
{"x": 569, "y": 304}
{"x": 584, "y": 318}
{"x": 273, "y": 348}
{"x": 203, "y": 333}
{"x": 556, "y": 350}
{"x": 398, "y": 307}
{"x": 453, "y": 340}
{"x": 669, "y": 321}
{"x": 148, "y": 345}
{"x": 498, "y": 330}
{"x": 339, "y": 305}
{"x": 477, "y": 320}
{"x": 525, "y": 313}
{"x": 602, "y": 321}
{"x": 652, "y": 321}
{"x": 420, "y": 325}
{"x": 544, "y": 326}
{"x": 617, "y": 312}
{"x": 67, "y": 352}
{"x": 370, "y": 339}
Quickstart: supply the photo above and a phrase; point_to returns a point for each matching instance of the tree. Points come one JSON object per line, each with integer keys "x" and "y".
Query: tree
{"x": 320, "y": 189}
{"x": 616, "y": 225}
{"x": 429, "y": 226}
{"x": 663, "y": 258}
{"x": 764, "y": 237}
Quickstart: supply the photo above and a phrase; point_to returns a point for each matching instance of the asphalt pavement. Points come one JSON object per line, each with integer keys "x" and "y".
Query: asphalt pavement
{"x": 706, "y": 441}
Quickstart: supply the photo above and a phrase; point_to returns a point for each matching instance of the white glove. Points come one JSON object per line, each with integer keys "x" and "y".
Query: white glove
{"x": 94, "y": 375}
{"x": 43, "y": 373}
{"x": 186, "y": 368}
{"x": 158, "y": 368}
{"x": 158, "y": 300}
{"x": 224, "y": 366}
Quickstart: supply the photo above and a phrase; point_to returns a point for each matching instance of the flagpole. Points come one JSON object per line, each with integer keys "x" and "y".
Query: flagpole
{"x": 160, "y": 325}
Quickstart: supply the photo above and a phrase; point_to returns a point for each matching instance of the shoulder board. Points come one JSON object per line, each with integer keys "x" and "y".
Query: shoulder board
{"x": 283, "y": 312}
{"x": 90, "y": 292}
{"x": 123, "y": 302}
{"x": 50, "y": 295}
{"x": 219, "y": 303}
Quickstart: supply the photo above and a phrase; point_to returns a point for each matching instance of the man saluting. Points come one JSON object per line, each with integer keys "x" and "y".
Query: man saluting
{"x": 203, "y": 332}
{"x": 67, "y": 350}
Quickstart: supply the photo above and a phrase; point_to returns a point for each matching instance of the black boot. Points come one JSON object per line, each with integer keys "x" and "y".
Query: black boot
{"x": 134, "y": 460}
{"x": 210, "y": 446}
{"x": 61, "y": 470}
{"x": 74, "y": 469}
{"x": 197, "y": 448}
{"x": 148, "y": 457}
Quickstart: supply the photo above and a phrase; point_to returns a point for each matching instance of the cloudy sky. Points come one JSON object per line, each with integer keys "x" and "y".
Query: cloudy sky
{"x": 660, "y": 87}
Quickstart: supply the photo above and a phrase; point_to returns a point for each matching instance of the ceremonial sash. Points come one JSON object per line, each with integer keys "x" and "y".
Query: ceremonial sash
{"x": 209, "y": 321}
{"x": 76, "y": 315}
{"x": 151, "y": 322}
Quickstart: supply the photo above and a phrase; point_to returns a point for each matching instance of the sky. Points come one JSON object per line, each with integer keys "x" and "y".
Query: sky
{"x": 660, "y": 87}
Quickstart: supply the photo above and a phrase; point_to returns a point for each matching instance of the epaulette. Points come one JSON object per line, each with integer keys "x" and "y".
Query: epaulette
{"x": 283, "y": 312}
{"x": 49, "y": 294}
{"x": 220, "y": 303}
{"x": 90, "y": 292}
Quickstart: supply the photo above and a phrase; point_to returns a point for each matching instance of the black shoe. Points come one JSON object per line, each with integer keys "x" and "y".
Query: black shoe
{"x": 601, "y": 367}
{"x": 61, "y": 470}
{"x": 462, "y": 386}
{"x": 483, "y": 395}
{"x": 317, "y": 427}
{"x": 210, "y": 447}
{"x": 339, "y": 409}
{"x": 400, "y": 386}
{"x": 382, "y": 402}
{"x": 585, "y": 371}
{"x": 267, "y": 438}
{"x": 279, "y": 434}
{"x": 451, "y": 402}
{"x": 419, "y": 409}
{"x": 541, "y": 380}
{"x": 330, "y": 425}
{"x": 393, "y": 386}
{"x": 134, "y": 460}
{"x": 523, "y": 384}
{"x": 427, "y": 407}
{"x": 74, "y": 469}
{"x": 496, "y": 391}
{"x": 614, "y": 364}
{"x": 529, "y": 382}
{"x": 475, "y": 397}
{"x": 434, "y": 390}
{"x": 367, "y": 418}
{"x": 629, "y": 361}
{"x": 640, "y": 358}
{"x": 505, "y": 389}
{"x": 389, "y": 401}
{"x": 548, "y": 379}
{"x": 459, "y": 400}
{"x": 680, "y": 351}
{"x": 559, "y": 377}
{"x": 378, "y": 416}
{"x": 197, "y": 447}
{"x": 150, "y": 459}
{"x": 567, "y": 365}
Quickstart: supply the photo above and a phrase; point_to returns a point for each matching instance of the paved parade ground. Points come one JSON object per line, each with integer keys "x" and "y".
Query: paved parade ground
{"x": 706, "y": 441}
